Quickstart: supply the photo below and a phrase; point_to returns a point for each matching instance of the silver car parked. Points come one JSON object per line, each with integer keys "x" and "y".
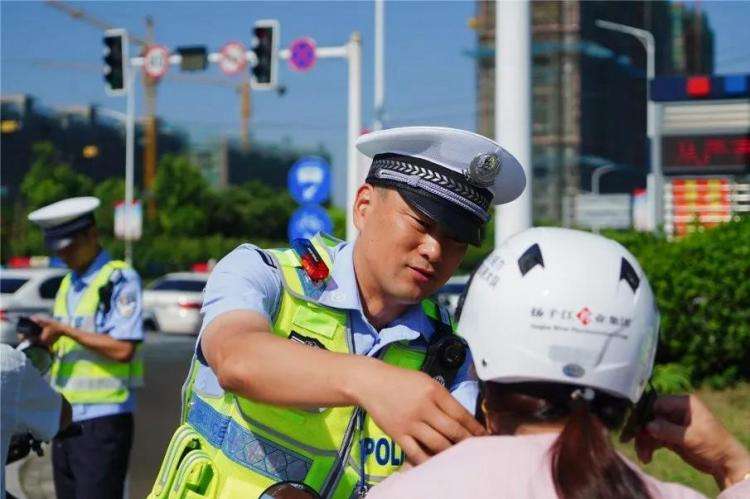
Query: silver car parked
{"x": 172, "y": 303}
{"x": 26, "y": 292}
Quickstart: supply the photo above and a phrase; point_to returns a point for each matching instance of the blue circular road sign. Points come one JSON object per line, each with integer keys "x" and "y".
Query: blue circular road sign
{"x": 309, "y": 180}
{"x": 308, "y": 221}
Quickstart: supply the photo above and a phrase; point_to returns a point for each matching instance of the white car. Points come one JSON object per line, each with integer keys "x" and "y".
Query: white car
{"x": 451, "y": 291}
{"x": 26, "y": 292}
{"x": 172, "y": 303}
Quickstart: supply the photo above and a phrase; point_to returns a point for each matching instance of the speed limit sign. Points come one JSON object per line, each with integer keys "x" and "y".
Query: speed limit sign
{"x": 156, "y": 61}
{"x": 233, "y": 59}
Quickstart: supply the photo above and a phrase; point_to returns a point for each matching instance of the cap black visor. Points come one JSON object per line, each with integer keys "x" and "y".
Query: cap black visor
{"x": 457, "y": 222}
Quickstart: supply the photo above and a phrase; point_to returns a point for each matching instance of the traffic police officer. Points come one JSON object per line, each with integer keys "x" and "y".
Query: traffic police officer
{"x": 259, "y": 409}
{"x": 94, "y": 337}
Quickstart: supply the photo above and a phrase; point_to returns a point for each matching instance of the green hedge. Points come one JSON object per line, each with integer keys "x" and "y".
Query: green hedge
{"x": 702, "y": 286}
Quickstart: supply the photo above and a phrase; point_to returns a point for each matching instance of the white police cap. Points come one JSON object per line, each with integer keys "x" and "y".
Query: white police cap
{"x": 61, "y": 220}
{"x": 451, "y": 175}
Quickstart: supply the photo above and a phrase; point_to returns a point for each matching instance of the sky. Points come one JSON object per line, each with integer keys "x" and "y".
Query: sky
{"x": 429, "y": 77}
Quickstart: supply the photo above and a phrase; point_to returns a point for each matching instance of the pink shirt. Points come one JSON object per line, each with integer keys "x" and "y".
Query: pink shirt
{"x": 516, "y": 467}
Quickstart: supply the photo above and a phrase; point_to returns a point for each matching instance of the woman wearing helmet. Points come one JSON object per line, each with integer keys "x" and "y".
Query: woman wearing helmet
{"x": 563, "y": 329}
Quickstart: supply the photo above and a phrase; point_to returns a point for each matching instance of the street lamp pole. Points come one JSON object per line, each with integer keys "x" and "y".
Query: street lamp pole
{"x": 597, "y": 175}
{"x": 513, "y": 107}
{"x": 647, "y": 40}
{"x": 379, "y": 63}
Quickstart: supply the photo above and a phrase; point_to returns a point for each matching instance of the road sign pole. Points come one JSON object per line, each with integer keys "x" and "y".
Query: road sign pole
{"x": 353, "y": 177}
{"x": 129, "y": 151}
{"x": 352, "y": 53}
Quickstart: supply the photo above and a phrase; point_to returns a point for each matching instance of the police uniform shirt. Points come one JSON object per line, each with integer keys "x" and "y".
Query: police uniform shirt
{"x": 122, "y": 322}
{"x": 246, "y": 280}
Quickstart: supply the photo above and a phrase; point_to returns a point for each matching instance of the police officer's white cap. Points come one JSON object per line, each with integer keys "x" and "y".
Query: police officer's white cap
{"x": 452, "y": 176}
{"x": 61, "y": 220}
{"x": 452, "y": 148}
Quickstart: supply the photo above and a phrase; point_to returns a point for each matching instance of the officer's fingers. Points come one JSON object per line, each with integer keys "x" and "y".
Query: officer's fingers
{"x": 675, "y": 408}
{"x": 430, "y": 439}
{"x": 447, "y": 426}
{"x": 665, "y": 432}
{"x": 414, "y": 453}
{"x": 645, "y": 445}
{"x": 41, "y": 320}
{"x": 46, "y": 334}
{"x": 453, "y": 409}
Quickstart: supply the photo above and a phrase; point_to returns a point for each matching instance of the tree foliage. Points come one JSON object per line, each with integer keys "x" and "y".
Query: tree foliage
{"x": 182, "y": 194}
{"x": 194, "y": 221}
{"x": 50, "y": 180}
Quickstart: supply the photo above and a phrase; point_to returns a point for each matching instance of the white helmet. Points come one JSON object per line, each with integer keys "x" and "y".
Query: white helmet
{"x": 563, "y": 306}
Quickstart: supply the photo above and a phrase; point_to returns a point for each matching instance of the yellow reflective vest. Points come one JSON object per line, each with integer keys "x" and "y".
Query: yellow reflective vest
{"x": 232, "y": 447}
{"x": 82, "y": 375}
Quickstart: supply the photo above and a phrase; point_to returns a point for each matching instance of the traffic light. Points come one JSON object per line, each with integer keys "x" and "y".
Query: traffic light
{"x": 115, "y": 61}
{"x": 265, "y": 47}
{"x": 194, "y": 58}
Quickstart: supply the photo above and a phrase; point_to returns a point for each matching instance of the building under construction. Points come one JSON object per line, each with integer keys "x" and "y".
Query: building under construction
{"x": 589, "y": 90}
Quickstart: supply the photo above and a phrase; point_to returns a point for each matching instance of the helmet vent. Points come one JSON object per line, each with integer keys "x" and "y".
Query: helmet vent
{"x": 530, "y": 259}
{"x": 627, "y": 272}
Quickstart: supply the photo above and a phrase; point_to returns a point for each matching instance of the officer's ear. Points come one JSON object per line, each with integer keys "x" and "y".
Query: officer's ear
{"x": 363, "y": 204}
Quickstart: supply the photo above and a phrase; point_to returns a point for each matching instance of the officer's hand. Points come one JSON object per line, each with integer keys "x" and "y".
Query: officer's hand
{"x": 686, "y": 426}
{"x": 51, "y": 330}
{"x": 416, "y": 411}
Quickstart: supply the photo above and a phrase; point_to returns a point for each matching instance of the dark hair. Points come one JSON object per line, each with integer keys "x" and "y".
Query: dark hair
{"x": 585, "y": 465}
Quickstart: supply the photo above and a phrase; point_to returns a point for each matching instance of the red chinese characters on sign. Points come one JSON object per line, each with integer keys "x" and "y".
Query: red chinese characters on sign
{"x": 706, "y": 153}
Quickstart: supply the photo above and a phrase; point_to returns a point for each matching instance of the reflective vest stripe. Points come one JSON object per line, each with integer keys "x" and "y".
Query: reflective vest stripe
{"x": 245, "y": 447}
{"x": 80, "y": 374}
{"x": 286, "y": 439}
{"x": 80, "y": 383}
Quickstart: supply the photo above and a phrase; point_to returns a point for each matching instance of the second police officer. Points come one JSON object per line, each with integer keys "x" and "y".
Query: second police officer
{"x": 307, "y": 368}
{"x": 95, "y": 337}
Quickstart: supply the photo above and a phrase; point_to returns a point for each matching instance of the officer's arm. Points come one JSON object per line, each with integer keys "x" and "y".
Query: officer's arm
{"x": 103, "y": 344}
{"x": 415, "y": 410}
{"x": 251, "y": 362}
{"x": 121, "y": 325}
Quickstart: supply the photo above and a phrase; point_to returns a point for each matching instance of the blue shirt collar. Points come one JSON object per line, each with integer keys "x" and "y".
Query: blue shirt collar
{"x": 83, "y": 279}
{"x": 342, "y": 292}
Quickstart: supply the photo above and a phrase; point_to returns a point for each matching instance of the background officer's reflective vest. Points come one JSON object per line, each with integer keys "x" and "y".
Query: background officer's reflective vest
{"x": 82, "y": 375}
{"x": 229, "y": 446}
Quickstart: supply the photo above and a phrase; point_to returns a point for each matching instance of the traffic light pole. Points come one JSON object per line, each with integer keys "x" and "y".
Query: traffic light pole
{"x": 129, "y": 151}
{"x": 352, "y": 52}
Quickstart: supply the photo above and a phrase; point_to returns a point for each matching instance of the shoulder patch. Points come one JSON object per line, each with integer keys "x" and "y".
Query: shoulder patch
{"x": 126, "y": 303}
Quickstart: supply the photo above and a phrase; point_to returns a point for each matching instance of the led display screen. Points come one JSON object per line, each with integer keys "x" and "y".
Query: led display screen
{"x": 729, "y": 153}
